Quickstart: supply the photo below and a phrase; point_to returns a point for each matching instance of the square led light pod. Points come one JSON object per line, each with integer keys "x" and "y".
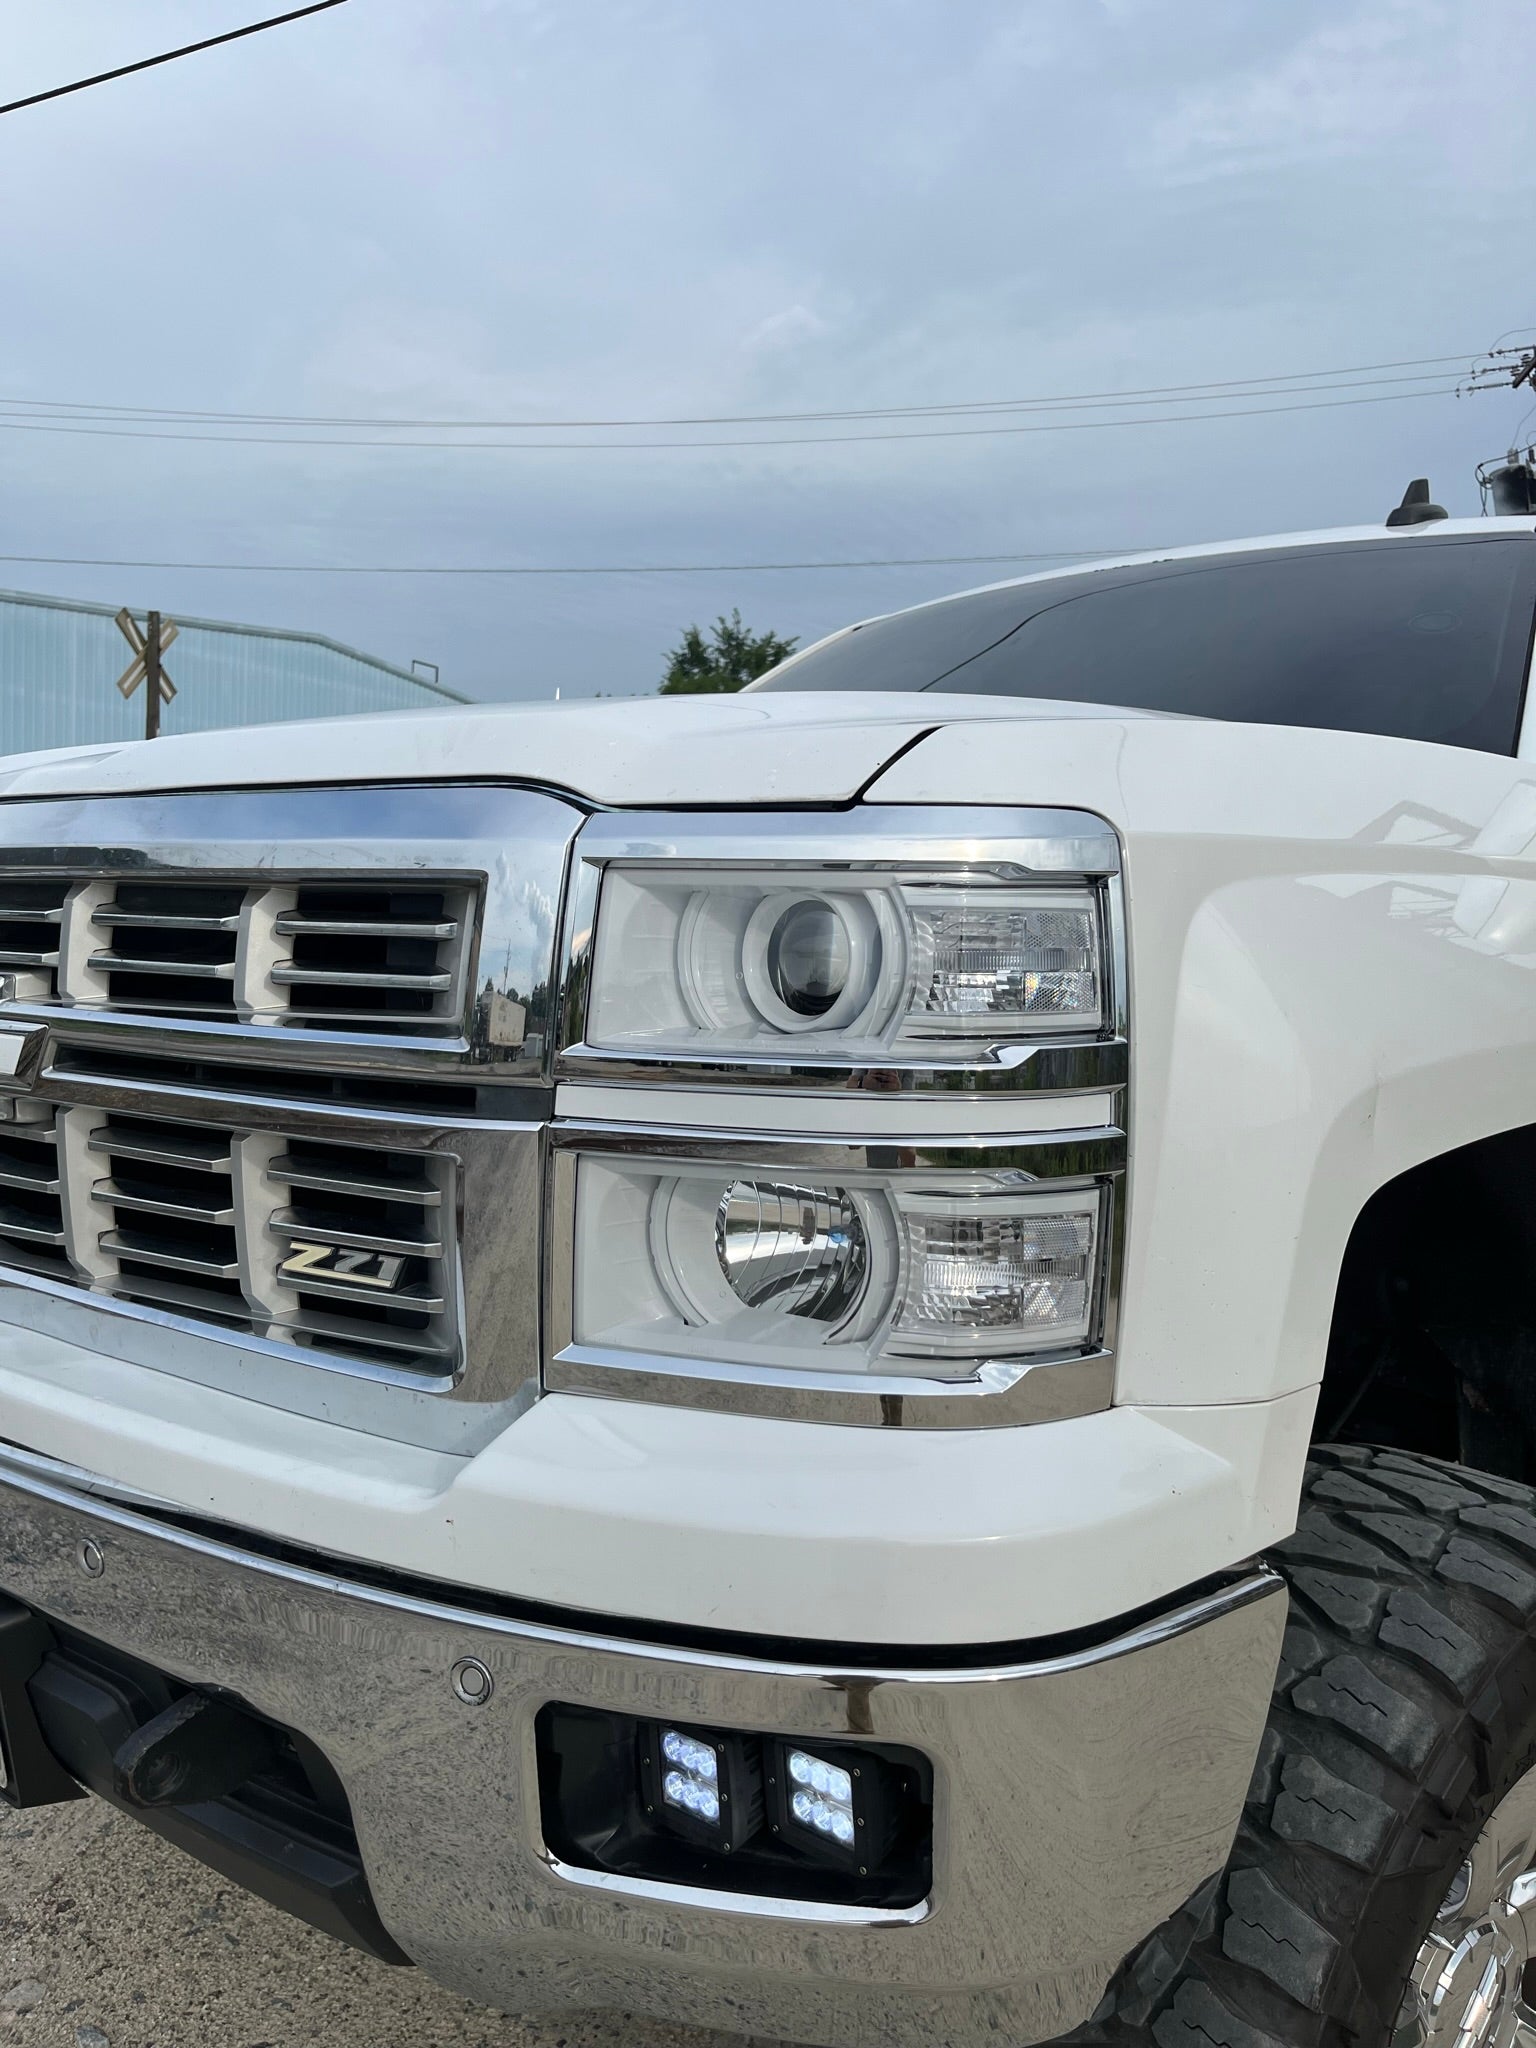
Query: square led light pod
{"x": 835, "y": 1804}
{"x": 707, "y": 1788}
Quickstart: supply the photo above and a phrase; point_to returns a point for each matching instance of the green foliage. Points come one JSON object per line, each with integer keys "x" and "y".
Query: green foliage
{"x": 727, "y": 658}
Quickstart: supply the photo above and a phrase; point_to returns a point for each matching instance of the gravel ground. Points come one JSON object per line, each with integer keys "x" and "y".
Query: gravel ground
{"x": 111, "y": 1939}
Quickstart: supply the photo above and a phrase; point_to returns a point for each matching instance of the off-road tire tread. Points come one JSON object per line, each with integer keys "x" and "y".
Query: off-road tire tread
{"x": 1404, "y": 1708}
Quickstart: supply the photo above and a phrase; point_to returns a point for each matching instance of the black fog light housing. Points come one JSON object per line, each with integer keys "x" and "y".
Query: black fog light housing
{"x": 605, "y": 1805}
{"x": 704, "y": 1786}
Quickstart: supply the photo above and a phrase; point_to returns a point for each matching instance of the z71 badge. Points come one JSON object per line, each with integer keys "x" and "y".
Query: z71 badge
{"x": 338, "y": 1262}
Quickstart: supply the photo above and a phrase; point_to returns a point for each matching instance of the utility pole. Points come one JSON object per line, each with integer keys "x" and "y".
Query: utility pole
{"x": 147, "y": 666}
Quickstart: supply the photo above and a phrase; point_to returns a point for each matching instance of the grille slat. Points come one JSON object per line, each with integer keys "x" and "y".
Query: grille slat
{"x": 336, "y": 1331}
{"x": 30, "y": 1229}
{"x": 333, "y": 977}
{"x": 32, "y": 1233}
{"x": 150, "y": 1250}
{"x": 293, "y": 926}
{"x": 167, "y": 1145}
{"x": 31, "y": 913}
{"x": 296, "y": 1223}
{"x": 37, "y": 1180}
{"x": 340, "y": 1179}
{"x": 164, "y": 920}
{"x": 360, "y": 1297}
{"x": 119, "y": 1197}
{"x": 128, "y": 963}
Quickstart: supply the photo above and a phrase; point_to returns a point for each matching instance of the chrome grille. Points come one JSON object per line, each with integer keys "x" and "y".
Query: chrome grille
{"x": 31, "y": 1208}
{"x": 169, "y": 947}
{"x": 365, "y": 953}
{"x": 340, "y": 1248}
{"x": 391, "y": 955}
{"x": 30, "y": 916}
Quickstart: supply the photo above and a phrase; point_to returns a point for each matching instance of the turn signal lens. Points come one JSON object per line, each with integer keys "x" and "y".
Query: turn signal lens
{"x": 984, "y": 1276}
{"x": 984, "y": 963}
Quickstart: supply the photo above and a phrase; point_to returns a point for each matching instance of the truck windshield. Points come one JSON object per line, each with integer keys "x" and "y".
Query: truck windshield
{"x": 1420, "y": 637}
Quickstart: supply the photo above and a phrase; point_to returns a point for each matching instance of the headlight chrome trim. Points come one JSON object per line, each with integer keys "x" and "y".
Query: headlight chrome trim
{"x": 1019, "y": 846}
{"x": 1008, "y": 1392}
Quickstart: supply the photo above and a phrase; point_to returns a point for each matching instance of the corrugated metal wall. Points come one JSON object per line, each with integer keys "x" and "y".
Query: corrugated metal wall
{"x": 60, "y": 660}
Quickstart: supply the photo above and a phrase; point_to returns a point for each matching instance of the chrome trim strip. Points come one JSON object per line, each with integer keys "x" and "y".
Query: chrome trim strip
{"x": 872, "y": 839}
{"x": 878, "y": 837}
{"x": 996, "y": 1393}
{"x": 990, "y": 1393}
{"x": 685, "y": 1898}
{"x": 1053, "y": 1156}
{"x": 52, "y": 1480}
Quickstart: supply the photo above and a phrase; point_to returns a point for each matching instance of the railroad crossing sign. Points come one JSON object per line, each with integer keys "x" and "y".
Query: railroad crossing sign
{"x": 148, "y": 647}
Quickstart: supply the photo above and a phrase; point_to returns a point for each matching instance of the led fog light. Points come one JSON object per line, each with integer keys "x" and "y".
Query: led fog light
{"x": 761, "y": 1815}
{"x": 692, "y": 1778}
{"x": 821, "y": 1797}
{"x": 842, "y": 1806}
{"x": 705, "y": 1787}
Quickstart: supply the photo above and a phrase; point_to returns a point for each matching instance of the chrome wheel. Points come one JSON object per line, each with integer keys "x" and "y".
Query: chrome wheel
{"x": 1467, "y": 1987}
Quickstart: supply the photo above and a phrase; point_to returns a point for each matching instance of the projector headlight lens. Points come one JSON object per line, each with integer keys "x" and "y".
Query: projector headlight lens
{"x": 809, "y": 957}
{"x": 839, "y": 965}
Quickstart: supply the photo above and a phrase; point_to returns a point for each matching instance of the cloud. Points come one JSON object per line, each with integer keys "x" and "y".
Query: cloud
{"x": 790, "y": 328}
{"x": 623, "y": 208}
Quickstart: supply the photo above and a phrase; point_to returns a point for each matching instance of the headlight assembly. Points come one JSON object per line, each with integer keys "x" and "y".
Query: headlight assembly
{"x": 751, "y": 963}
{"x": 864, "y": 939}
{"x": 929, "y": 1269}
{"x": 896, "y": 1273}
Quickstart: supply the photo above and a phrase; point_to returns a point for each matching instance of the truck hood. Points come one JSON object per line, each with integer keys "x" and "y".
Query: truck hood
{"x": 767, "y": 749}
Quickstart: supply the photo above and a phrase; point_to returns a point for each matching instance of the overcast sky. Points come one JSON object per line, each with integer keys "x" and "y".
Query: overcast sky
{"x": 471, "y": 209}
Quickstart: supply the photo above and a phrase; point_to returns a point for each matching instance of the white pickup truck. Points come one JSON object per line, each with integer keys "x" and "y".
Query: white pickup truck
{"x": 691, "y": 1356}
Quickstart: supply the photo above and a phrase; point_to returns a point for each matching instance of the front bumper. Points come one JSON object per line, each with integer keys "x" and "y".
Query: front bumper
{"x": 1080, "y": 1796}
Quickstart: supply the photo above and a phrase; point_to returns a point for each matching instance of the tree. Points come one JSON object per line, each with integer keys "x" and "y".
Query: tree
{"x": 727, "y": 658}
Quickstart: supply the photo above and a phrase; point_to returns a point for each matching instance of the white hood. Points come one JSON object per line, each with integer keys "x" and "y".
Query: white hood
{"x": 794, "y": 747}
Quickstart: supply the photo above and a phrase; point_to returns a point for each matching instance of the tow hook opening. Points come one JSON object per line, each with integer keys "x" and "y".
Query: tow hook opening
{"x": 257, "y": 1802}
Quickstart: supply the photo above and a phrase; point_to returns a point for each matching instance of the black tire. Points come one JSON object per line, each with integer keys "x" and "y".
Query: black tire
{"x": 1404, "y": 1710}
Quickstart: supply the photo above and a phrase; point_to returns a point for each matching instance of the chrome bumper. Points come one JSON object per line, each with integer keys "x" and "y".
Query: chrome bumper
{"x": 1079, "y": 1797}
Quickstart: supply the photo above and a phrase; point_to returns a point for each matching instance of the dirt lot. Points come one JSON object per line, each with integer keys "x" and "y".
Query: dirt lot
{"x": 110, "y": 1939}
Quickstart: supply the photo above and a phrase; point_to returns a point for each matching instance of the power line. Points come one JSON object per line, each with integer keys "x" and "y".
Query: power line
{"x": 1192, "y": 393}
{"x": 14, "y": 426}
{"x": 561, "y": 569}
{"x": 233, "y": 35}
